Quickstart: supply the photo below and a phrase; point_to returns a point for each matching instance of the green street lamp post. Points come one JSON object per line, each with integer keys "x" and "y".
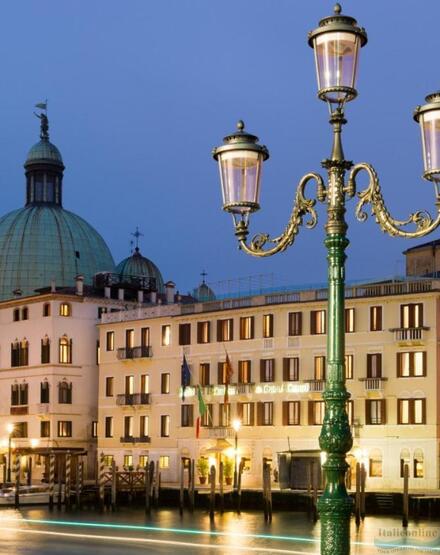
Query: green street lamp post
{"x": 336, "y": 43}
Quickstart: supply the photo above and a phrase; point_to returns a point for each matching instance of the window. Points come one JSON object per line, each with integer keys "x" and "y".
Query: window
{"x": 19, "y": 394}
{"x": 349, "y": 364}
{"x": 375, "y": 411}
{"x": 349, "y": 407}
{"x": 291, "y": 413}
{"x": 129, "y": 385}
{"x": 16, "y": 315}
{"x": 166, "y": 335}
{"x": 319, "y": 366}
{"x": 224, "y": 414}
{"x": 225, "y": 330}
{"x": 267, "y": 370}
{"x": 45, "y": 350}
{"x": 187, "y": 419}
{"x": 374, "y": 365}
{"x": 375, "y": 318}
{"x": 65, "y": 309}
{"x": 46, "y": 309}
{"x": 44, "y": 392}
{"x": 65, "y": 350}
{"x": 145, "y": 383}
{"x": 64, "y": 428}
{"x": 164, "y": 461}
{"x": 411, "y": 315}
{"x": 375, "y": 463}
{"x": 244, "y": 371}
{"x": 349, "y": 320}
{"x": 65, "y": 393}
{"x": 143, "y": 461}
{"x": 25, "y": 313}
{"x": 128, "y": 426}
{"x": 419, "y": 466}
{"x": 267, "y": 325}
{"x": 164, "y": 425}
{"x": 247, "y": 327}
{"x": 316, "y": 412}
{"x": 203, "y": 332}
{"x": 20, "y": 353}
{"x": 291, "y": 369}
{"x": 108, "y": 426}
{"x": 108, "y": 460}
{"x": 143, "y": 426}
{"x": 318, "y": 322}
{"x": 412, "y": 364}
{"x": 184, "y": 334}
{"x": 45, "y": 428}
{"x": 165, "y": 383}
{"x": 145, "y": 337}
{"x": 129, "y": 339}
{"x": 205, "y": 378}
{"x": 109, "y": 383}
{"x": 405, "y": 460}
{"x": 110, "y": 341}
{"x": 20, "y": 429}
{"x": 128, "y": 461}
{"x": 206, "y": 419}
{"x": 94, "y": 428}
{"x": 265, "y": 413}
{"x": 295, "y": 323}
{"x": 245, "y": 412}
{"x": 411, "y": 411}
{"x": 222, "y": 373}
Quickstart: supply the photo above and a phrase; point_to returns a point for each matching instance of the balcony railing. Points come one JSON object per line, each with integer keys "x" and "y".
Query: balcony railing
{"x": 220, "y": 432}
{"x": 244, "y": 388}
{"x": 127, "y": 353}
{"x": 409, "y": 334}
{"x": 316, "y": 385}
{"x": 133, "y": 439}
{"x": 373, "y": 384}
{"x": 131, "y": 399}
{"x": 19, "y": 409}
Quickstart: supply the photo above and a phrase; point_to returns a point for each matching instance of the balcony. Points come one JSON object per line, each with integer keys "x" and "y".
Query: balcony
{"x": 220, "y": 432}
{"x": 19, "y": 410}
{"x": 132, "y": 439}
{"x": 132, "y": 399}
{"x": 373, "y": 384}
{"x": 316, "y": 385}
{"x": 409, "y": 334}
{"x": 129, "y": 353}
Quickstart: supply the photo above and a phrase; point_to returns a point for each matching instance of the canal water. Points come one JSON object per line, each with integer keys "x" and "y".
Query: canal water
{"x": 36, "y": 531}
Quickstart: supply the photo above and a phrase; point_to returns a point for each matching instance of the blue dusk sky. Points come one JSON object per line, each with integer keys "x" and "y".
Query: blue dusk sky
{"x": 140, "y": 91}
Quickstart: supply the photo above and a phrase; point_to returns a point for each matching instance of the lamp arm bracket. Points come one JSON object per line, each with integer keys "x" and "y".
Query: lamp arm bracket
{"x": 302, "y": 207}
{"x": 422, "y": 220}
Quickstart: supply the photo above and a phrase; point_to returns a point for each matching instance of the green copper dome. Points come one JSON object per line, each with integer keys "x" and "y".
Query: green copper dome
{"x": 44, "y": 150}
{"x": 137, "y": 265}
{"x": 39, "y": 244}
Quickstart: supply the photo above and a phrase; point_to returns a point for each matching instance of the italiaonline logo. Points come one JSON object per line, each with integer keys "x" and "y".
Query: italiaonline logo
{"x": 416, "y": 540}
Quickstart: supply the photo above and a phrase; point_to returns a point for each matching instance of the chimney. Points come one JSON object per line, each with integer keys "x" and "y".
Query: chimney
{"x": 169, "y": 291}
{"x": 120, "y": 294}
{"x": 153, "y": 297}
{"x": 107, "y": 292}
{"x": 52, "y": 286}
{"x": 140, "y": 296}
{"x": 79, "y": 284}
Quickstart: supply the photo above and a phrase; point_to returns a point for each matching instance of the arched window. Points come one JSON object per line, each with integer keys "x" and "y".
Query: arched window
{"x": 46, "y": 309}
{"x": 419, "y": 464}
{"x": 16, "y": 315}
{"x": 45, "y": 350}
{"x": 24, "y": 313}
{"x": 65, "y": 309}
{"x": 405, "y": 458}
{"x": 65, "y": 392}
{"x": 65, "y": 350}
{"x": 44, "y": 392}
{"x": 375, "y": 463}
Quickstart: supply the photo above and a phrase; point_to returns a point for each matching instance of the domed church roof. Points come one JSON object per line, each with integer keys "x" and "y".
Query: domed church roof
{"x": 203, "y": 292}
{"x": 139, "y": 266}
{"x": 42, "y": 242}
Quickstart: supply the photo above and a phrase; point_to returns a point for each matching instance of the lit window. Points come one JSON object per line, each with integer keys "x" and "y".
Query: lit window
{"x": 247, "y": 327}
{"x": 109, "y": 381}
{"x": 375, "y": 411}
{"x": 225, "y": 330}
{"x": 110, "y": 341}
{"x": 349, "y": 367}
{"x": 143, "y": 426}
{"x": 291, "y": 413}
{"x": 374, "y": 365}
{"x": 375, "y": 463}
{"x": 129, "y": 339}
{"x": 317, "y": 322}
{"x": 419, "y": 464}
{"x": 203, "y": 332}
{"x": 165, "y": 382}
{"x": 65, "y": 350}
{"x": 246, "y": 413}
{"x": 164, "y": 461}
{"x": 268, "y": 325}
{"x": 205, "y": 378}
{"x": 187, "y": 418}
{"x": 64, "y": 428}
{"x": 295, "y": 323}
{"x": 108, "y": 460}
{"x": 291, "y": 369}
{"x": 411, "y": 411}
{"x": 265, "y": 413}
{"x": 412, "y": 364}
{"x": 166, "y": 335}
{"x": 319, "y": 368}
{"x": 145, "y": 383}
{"x": 349, "y": 320}
{"x": 45, "y": 428}
{"x": 65, "y": 309}
{"x": 206, "y": 419}
{"x": 244, "y": 371}
{"x": 129, "y": 385}
{"x": 411, "y": 315}
{"x": 267, "y": 370}
{"x": 164, "y": 425}
{"x": 128, "y": 426}
{"x": 224, "y": 414}
{"x": 316, "y": 412}
{"x": 375, "y": 318}
{"x": 94, "y": 428}
{"x": 128, "y": 461}
{"x": 143, "y": 461}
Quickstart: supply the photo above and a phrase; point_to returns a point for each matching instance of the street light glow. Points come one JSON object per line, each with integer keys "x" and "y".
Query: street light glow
{"x": 236, "y": 424}
{"x": 10, "y": 427}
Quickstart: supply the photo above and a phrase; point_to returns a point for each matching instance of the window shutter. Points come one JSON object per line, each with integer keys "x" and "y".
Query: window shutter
{"x": 384, "y": 411}
{"x": 259, "y": 413}
{"x": 239, "y": 410}
{"x": 399, "y": 411}
{"x": 220, "y": 379}
{"x": 232, "y": 329}
{"x": 420, "y": 322}
{"x": 285, "y": 413}
{"x": 262, "y": 377}
{"x": 252, "y": 414}
{"x": 219, "y": 330}
{"x": 399, "y": 364}
{"x": 425, "y": 367}
{"x": 252, "y": 327}
{"x": 310, "y": 408}
{"x": 313, "y": 322}
{"x": 285, "y": 369}
{"x": 379, "y": 365}
{"x": 367, "y": 411}
{"x": 274, "y": 377}
{"x": 424, "y": 411}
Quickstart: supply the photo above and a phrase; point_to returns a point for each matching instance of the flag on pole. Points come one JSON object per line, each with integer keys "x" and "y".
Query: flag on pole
{"x": 41, "y": 105}
{"x": 185, "y": 377}
{"x": 229, "y": 371}
{"x": 202, "y": 410}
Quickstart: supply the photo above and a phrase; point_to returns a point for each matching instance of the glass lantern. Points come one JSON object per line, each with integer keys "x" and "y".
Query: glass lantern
{"x": 428, "y": 116}
{"x": 240, "y": 160}
{"x": 336, "y": 43}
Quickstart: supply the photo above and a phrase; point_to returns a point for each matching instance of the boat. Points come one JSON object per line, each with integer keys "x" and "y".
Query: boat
{"x": 28, "y": 495}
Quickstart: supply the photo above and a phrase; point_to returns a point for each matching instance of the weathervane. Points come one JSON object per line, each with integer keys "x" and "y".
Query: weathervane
{"x": 44, "y": 122}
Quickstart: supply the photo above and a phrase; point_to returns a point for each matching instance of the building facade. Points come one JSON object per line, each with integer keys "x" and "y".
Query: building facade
{"x": 277, "y": 346}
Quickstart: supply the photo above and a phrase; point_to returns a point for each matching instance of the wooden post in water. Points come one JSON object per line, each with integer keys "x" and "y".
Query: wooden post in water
{"x": 182, "y": 490}
{"x": 157, "y": 490}
{"x": 114, "y": 485}
{"x": 265, "y": 490}
{"x": 191, "y": 484}
{"x": 221, "y": 488}
{"x": 68, "y": 479}
{"x": 60, "y": 482}
{"x": 212, "y": 493}
{"x": 315, "y": 471}
{"x": 363, "y": 480}
{"x": 240, "y": 472}
{"x": 147, "y": 490}
{"x": 405, "y": 496}
{"x": 78, "y": 483}
{"x": 29, "y": 471}
{"x": 51, "y": 478}
{"x": 17, "y": 480}
{"x": 357, "y": 499}
{"x": 268, "y": 493}
{"x": 101, "y": 481}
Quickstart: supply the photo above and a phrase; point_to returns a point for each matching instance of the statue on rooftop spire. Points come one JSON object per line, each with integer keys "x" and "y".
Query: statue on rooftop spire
{"x": 44, "y": 122}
